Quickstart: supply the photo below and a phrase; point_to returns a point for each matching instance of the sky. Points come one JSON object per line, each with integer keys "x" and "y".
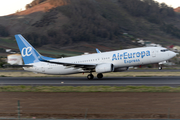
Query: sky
{"x": 172, "y": 3}
{"x": 11, "y": 6}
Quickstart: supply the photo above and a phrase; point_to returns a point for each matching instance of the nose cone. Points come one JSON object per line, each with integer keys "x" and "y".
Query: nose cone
{"x": 172, "y": 54}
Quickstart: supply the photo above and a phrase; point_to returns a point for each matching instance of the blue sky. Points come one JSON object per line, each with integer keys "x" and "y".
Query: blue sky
{"x": 6, "y": 8}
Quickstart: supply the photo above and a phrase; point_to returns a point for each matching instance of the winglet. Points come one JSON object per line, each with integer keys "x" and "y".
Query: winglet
{"x": 98, "y": 51}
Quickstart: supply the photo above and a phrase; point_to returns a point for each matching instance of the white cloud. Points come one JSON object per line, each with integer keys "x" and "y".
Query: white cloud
{"x": 11, "y": 6}
{"x": 173, "y": 3}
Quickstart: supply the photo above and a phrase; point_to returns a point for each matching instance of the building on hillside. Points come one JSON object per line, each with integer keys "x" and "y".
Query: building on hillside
{"x": 176, "y": 48}
{"x": 170, "y": 47}
{"x": 8, "y": 50}
{"x": 153, "y": 45}
{"x": 14, "y": 59}
{"x": 141, "y": 41}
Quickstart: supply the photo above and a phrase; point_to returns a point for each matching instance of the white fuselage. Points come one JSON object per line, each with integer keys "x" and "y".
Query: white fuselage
{"x": 119, "y": 58}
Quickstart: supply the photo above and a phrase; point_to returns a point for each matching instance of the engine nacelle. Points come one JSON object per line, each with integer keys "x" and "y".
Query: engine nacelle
{"x": 121, "y": 69}
{"x": 103, "y": 68}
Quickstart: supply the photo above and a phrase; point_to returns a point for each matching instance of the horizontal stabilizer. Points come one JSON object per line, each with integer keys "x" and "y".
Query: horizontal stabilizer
{"x": 7, "y": 65}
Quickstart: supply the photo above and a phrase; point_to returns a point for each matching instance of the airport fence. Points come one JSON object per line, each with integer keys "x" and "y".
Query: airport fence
{"x": 79, "y": 119}
{"x": 25, "y": 112}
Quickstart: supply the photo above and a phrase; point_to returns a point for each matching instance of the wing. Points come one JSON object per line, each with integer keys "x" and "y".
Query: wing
{"x": 8, "y": 65}
{"x": 75, "y": 65}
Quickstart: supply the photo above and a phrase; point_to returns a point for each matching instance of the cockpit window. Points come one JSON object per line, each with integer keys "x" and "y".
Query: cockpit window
{"x": 164, "y": 50}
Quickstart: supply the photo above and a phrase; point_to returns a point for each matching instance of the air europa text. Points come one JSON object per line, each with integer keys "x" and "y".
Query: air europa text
{"x": 128, "y": 55}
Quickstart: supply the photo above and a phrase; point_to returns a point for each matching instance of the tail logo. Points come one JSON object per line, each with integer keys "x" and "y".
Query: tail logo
{"x": 26, "y": 51}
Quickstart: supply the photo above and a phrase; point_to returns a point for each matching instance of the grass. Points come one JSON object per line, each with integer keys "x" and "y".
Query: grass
{"x": 11, "y": 43}
{"x": 23, "y": 88}
{"x": 2, "y": 76}
{"x": 8, "y": 42}
{"x": 114, "y": 74}
{"x": 57, "y": 52}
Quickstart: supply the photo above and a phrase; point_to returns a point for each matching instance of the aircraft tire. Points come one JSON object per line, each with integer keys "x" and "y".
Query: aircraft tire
{"x": 90, "y": 77}
{"x": 99, "y": 75}
{"x": 160, "y": 68}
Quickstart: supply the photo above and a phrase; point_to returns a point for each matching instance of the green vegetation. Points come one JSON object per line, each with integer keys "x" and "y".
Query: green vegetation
{"x": 58, "y": 54}
{"x": 94, "y": 21}
{"x": 113, "y": 74}
{"x": 8, "y": 42}
{"x": 23, "y": 88}
{"x": 36, "y": 39}
{"x": 149, "y": 9}
{"x": 74, "y": 22}
{"x": 2, "y": 50}
{"x": 2, "y": 62}
{"x": 171, "y": 29}
{"x": 3, "y": 31}
{"x": 104, "y": 21}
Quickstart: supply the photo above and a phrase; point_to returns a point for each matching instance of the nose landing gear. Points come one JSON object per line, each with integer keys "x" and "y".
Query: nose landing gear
{"x": 161, "y": 63}
{"x": 160, "y": 68}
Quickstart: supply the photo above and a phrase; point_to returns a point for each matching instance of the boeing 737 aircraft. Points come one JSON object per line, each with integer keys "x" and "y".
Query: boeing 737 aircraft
{"x": 101, "y": 62}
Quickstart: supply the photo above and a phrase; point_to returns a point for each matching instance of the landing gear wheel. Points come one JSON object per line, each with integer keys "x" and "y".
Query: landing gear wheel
{"x": 160, "y": 67}
{"x": 90, "y": 76}
{"x": 100, "y": 75}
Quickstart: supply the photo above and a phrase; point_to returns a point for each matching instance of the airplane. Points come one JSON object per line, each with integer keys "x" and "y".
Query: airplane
{"x": 100, "y": 62}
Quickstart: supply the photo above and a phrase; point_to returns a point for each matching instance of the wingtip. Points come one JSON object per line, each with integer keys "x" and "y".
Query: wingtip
{"x": 98, "y": 50}
{"x": 17, "y": 34}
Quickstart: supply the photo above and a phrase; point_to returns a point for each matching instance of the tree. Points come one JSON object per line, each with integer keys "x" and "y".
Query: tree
{"x": 3, "y": 31}
{"x": 28, "y": 6}
{"x": 34, "y": 3}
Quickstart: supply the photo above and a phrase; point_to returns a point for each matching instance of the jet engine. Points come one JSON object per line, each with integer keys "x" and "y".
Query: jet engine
{"x": 103, "y": 68}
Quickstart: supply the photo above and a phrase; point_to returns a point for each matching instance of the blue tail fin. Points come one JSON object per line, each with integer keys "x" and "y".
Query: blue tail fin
{"x": 97, "y": 50}
{"x": 29, "y": 54}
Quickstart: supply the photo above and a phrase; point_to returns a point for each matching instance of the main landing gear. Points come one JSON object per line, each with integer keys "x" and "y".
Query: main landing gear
{"x": 99, "y": 75}
{"x": 91, "y": 76}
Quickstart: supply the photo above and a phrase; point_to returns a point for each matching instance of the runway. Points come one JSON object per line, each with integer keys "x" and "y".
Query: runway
{"x": 82, "y": 81}
{"x": 131, "y": 70}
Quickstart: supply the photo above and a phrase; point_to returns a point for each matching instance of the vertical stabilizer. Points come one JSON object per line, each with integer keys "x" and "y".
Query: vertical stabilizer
{"x": 29, "y": 54}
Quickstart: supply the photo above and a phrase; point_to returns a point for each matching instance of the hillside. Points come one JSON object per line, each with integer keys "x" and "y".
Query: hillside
{"x": 177, "y": 9}
{"x": 77, "y": 26}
